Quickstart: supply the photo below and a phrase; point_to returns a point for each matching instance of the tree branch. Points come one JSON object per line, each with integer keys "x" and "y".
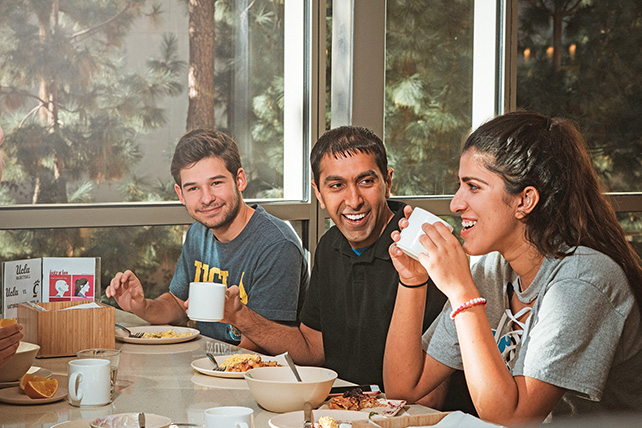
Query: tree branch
{"x": 109, "y": 21}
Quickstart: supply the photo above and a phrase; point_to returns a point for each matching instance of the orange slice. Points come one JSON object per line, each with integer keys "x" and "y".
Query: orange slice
{"x": 28, "y": 377}
{"x": 6, "y": 322}
{"x": 41, "y": 388}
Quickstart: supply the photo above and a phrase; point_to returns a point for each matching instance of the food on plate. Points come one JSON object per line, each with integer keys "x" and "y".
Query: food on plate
{"x": 327, "y": 422}
{"x": 245, "y": 362}
{"x": 116, "y": 421}
{"x": 330, "y": 422}
{"x": 29, "y": 377}
{"x": 6, "y": 322}
{"x": 41, "y": 388}
{"x": 355, "y": 399}
{"x": 169, "y": 334}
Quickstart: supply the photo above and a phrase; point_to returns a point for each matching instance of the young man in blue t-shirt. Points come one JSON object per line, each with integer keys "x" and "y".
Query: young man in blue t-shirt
{"x": 231, "y": 243}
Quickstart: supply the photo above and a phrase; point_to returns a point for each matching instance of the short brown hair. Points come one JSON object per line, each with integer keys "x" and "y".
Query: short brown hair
{"x": 200, "y": 144}
{"x": 347, "y": 141}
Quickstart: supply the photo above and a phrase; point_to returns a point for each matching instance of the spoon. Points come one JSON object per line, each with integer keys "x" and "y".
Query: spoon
{"x": 288, "y": 359}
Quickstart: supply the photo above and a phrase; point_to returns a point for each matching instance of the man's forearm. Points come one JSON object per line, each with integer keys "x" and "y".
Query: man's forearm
{"x": 277, "y": 338}
{"x": 165, "y": 309}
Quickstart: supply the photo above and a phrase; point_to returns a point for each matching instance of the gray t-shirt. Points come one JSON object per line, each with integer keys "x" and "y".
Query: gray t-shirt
{"x": 265, "y": 260}
{"x": 583, "y": 333}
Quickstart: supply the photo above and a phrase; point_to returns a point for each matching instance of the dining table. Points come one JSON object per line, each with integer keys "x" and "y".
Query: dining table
{"x": 155, "y": 379}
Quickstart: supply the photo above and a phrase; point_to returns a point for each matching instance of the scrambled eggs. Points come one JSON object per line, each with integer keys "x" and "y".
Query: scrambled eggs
{"x": 165, "y": 334}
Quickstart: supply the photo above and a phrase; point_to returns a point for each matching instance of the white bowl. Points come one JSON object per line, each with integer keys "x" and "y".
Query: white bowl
{"x": 19, "y": 363}
{"x": 277, "y": 390}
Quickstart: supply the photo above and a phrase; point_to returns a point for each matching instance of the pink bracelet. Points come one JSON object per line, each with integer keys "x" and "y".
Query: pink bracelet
{"x": 467, "y": 305}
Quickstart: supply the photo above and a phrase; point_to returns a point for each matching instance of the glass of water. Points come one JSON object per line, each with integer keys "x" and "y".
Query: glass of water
{"x": 113, "y": 355}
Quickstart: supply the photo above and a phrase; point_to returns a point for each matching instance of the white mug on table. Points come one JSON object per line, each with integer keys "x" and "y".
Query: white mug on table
{"x": 89, "y": 382}
{"x": 229, "y": 417}
{"x": 206, "y": 301}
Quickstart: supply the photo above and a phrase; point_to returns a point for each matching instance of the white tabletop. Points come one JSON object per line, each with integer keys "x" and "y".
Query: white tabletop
{"x": 155, "y": 379}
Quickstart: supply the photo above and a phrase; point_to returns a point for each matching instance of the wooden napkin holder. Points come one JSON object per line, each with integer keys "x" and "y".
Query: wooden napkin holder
{"x": 403, "y": 421}
{"x": 61, "y": 333}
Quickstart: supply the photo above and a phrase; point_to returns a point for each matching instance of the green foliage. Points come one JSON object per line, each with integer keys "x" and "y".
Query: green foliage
{"x": 74, "y": 115}
{"x": 428, "y": 92}
{"x": 599, "y": 87}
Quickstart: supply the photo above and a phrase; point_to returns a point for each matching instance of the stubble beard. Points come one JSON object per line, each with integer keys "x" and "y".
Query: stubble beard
{"x": 227, "y": 216}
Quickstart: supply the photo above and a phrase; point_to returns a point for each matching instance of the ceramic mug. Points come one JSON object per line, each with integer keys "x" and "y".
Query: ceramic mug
{"x": 409, "y": 242}
{"x": 229, "y": 417}
{"x": 206, "y": 301}
{"x": 89, "y": 382}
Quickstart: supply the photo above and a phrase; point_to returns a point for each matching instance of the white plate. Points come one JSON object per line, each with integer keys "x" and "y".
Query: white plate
{"x": 151, "y": 421}
{"x": 35, "y": 370}
{"x": 295, "y": 419}
{"x": 204, "y": 366}
{"x": 122, "y": 336}
{"x": 13, "y": 395}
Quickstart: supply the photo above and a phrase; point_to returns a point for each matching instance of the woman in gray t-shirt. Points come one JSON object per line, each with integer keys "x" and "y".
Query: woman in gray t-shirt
{"x": 549, "y": 319}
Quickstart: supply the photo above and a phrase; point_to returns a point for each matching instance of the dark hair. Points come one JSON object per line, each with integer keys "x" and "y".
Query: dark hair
{"x": 79, "y": 284}
{"x": 347, "y": 141}
{"x": 528, "y": 149}
{"x": 199, "y": 144}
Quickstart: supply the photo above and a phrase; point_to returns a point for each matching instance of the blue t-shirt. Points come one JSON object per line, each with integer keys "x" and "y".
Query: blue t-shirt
{"x": 265, "y": 260}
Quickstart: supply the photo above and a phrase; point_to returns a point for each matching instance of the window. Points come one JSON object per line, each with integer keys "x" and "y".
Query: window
{"x": 580, "y": 60}
{"x": 93, "y": 99}
{"x": 428, "y": 93}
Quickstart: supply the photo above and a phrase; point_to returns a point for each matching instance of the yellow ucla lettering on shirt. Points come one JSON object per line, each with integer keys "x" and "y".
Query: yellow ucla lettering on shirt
{"x": 222, "y": 274}
{"x": 197, "y": 274}
{"x": 242, "y": 292}
{"x": 207, "y": 274}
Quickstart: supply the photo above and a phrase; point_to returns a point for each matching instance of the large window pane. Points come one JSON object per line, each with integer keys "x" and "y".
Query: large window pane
{"x": 428, "y": 95}
{"x": 94, "y": 95}
{"x": 151, "y": 251}
{"x": 581, "y": 60}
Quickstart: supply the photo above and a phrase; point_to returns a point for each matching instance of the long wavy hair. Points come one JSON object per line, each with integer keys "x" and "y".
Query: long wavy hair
{"x": 529, "y": 149}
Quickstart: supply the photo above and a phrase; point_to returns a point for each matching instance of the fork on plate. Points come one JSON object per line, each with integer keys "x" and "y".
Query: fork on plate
{"x": 130, "y": 333}
{"x": 216, "y": 368}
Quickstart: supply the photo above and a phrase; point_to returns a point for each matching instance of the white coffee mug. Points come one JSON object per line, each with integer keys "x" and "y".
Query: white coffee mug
{"x": 409, "y": 242}
{"x": 206, "y": 301}
{"x": 229, "y": 417}
{"x": 89, "y": 382}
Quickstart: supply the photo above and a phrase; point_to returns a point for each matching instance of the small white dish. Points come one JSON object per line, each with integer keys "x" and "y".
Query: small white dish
{"x": 13, "y": 395}
{"x": 131, "y": 420}
{"x": 296, "y": 419}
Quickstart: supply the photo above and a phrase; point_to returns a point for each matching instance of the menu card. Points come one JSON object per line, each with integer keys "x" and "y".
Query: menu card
{"x": 49, "y": 279}
{"x": 22, "y": 281}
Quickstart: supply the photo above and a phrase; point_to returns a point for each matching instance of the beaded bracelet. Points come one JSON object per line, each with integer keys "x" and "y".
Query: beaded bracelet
{"x": 415, "y": 286}
{"x": 467, "y": 305}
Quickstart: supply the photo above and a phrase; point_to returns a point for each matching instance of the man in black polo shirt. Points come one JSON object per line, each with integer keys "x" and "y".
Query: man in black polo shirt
{"x": 353, "y": 285}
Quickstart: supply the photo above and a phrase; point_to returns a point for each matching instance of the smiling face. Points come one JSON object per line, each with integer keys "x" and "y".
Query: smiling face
{"x": 353, "y": 191}
{"x": 211, "y": 194}
{"x": 489, "y": 215}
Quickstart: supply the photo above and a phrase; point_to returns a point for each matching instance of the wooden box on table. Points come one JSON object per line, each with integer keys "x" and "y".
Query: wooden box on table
{"x": 61, "y": 332}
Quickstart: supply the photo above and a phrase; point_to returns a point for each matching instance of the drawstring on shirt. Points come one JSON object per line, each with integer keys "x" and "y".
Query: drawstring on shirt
{"x": 515, "y": 336}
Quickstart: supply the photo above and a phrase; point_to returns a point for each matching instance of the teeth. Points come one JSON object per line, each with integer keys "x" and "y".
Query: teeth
{"x": 355, "y": 217}
{"x": 468, "y": 223}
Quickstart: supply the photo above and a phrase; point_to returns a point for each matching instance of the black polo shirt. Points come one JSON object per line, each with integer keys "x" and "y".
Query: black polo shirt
{"x": 351, "y": 299}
